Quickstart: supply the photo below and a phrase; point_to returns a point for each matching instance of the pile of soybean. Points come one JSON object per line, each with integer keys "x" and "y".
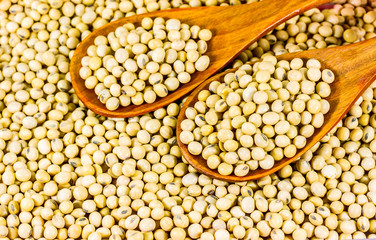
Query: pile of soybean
{"x": 66, "y": 173}
{"x": 137, "y": 65}
{"x": 258, "y": 115}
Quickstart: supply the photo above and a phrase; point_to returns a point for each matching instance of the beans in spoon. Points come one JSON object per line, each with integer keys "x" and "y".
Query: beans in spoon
{"x": 136, "y": 65}
{"x": 258, "y": 115}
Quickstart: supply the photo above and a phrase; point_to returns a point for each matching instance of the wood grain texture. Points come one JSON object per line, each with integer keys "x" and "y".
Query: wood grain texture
{"x": 354, "y": 66}
{"x": 234, "y": 28}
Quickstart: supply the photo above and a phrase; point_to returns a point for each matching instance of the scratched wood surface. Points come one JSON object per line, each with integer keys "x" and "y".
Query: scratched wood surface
{"x": 234, "y": 28}
{"x": 354, "y": 66}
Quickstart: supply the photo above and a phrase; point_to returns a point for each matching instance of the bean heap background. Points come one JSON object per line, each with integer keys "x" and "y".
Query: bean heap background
{"x": 68, "y": 173}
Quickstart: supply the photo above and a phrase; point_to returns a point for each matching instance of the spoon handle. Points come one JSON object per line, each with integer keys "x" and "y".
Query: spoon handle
{"x": 356, "y": 64}
{"x": 240, "y": 20}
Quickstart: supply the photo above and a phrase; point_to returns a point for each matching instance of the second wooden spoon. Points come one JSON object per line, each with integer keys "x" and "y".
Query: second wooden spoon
{"x": 234, "y": 28}
{"x": 354, "y": 67}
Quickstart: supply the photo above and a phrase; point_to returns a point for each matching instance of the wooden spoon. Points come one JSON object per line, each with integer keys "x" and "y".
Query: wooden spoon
{"x": 234, "y": 28}
{"x": 354, "y": 67}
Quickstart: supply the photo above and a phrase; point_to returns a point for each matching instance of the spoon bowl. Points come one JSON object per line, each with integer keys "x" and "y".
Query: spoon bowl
{"x": 354, "y": 66}
{"x": 234, "y": 29}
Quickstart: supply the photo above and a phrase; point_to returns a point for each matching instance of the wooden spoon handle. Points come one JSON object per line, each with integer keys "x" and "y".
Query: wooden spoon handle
{"x": 235, "y": 29}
